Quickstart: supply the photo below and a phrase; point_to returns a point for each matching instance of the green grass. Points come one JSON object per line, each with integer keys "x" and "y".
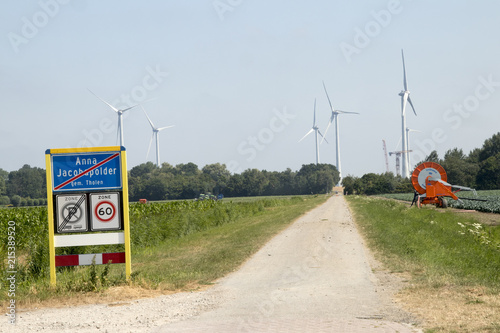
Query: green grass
{"x": 174, "y": 246}
{"x": 430, "y": 243}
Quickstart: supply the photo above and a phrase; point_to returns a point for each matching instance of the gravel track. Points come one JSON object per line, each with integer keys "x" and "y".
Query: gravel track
{"x": 316, "y": 276}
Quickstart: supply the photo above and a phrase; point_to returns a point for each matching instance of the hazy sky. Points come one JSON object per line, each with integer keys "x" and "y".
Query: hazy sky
{"x": 238, "y": 78}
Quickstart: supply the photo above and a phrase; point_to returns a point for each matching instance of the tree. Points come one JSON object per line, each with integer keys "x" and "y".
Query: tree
{"x": 189, "y": 169}
{"x": 491, "y": 147}
{"x": 27, "y": 182}
{"x": 254, "y": 181}
{"x": 142, "y": 169}
{"x": 459, "y": 170}
{"x": 316, "y": 178}
{"x": 235, "y": 186}
{"x": 488, "y": 175}
{"x": 4, "y": 176}
{"x": 219, "y": 174}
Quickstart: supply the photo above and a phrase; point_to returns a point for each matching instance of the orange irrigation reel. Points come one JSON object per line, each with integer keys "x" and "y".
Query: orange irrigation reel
{"x": 429, "y": 181}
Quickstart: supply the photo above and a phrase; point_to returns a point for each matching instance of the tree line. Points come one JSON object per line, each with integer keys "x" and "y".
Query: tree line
{"x": 27, "y": 186}
{"x": 187, "y": 181}
{"x": 480, "y": 169}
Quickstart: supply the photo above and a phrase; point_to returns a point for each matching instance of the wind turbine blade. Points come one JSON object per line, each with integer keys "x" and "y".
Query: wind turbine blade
{"x": 405, "y": 85}
{"x": 399, "y": 141}
{"x": 323, "y": 137}
{"x": 310, "y": 131}
{"x": 331, "y": 107}
{"x": 327, "y": 127}
{"x": 129, "y": 108}
{"x": 162, "y": 128}
{"x": 404, "y": 98}
{"x": 409, "y": 101}
{"x": 149, "y": 147}
{"x": 340, "y": 111}
{"x": 150, "y": 122}
{"x": 111, "y": 106}
{"x": 314, "y": 119}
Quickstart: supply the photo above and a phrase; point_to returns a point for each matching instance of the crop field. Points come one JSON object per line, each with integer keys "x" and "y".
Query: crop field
{"x": 152, "y": 225}
{"x": 491, "y": 205}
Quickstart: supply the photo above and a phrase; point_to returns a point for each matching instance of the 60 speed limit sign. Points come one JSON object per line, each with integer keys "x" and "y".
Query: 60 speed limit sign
{"x": 105, "y": 211}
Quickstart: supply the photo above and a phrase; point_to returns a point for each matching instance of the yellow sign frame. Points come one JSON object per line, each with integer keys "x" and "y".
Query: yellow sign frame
{"x": 50, "y": 202}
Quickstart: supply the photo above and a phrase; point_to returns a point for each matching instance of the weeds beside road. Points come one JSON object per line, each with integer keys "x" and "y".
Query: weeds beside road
{"x": 453, "y": 263}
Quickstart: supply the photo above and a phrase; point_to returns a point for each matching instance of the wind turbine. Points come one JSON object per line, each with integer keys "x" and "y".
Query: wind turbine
{"x": 316, "y": 130}
{"x": 405, "y": 96}
{"x": 408, "y": 130}
{"x": 120, "y": 120}
{"x": 333, "y": 117}
{"x": 156, "y": 134}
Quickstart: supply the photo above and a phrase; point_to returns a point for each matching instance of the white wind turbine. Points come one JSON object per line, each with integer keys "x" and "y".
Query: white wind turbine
{"x": 120, "y": 120}
{"x": 405, "y": 96}
{"x": 334, "y": 117}
{"x": 316, "y": 130}
{"x": 156, "y": 134}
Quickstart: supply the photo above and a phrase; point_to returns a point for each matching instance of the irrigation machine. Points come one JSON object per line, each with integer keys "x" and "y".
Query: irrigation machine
{"x": 429, "y": 180}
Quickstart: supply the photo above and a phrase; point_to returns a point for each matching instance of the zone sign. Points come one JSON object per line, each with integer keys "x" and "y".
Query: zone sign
{"x": 105, "y": 211}
{"x": 71, "y": 213}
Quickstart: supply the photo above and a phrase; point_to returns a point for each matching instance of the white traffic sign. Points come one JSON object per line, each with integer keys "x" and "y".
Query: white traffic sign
{"x": 105, "y": 211}
{"x": 71, "y": 213}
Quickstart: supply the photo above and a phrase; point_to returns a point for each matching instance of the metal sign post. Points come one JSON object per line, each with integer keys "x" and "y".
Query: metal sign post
{"x": 87, "y": 195}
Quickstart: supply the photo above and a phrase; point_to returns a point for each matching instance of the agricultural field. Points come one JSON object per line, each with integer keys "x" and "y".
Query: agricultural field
{"x": 491, "y": 205}
{"x": 154, "y": 227}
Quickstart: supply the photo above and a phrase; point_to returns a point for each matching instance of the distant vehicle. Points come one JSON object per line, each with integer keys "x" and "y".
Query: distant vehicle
{"x": 207, "y": 196}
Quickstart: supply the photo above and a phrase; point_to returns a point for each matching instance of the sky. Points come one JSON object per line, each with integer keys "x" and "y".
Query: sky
{"x": 238, "y": 79}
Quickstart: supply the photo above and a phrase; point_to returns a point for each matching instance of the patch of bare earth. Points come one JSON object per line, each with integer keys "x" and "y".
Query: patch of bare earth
{"x": 111, "y": 296}
{"x": 453, "y": 309}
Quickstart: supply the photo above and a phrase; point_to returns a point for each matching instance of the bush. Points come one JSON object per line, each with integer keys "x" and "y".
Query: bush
{"x": 4, "y": 200}
{"x": 15, "y": 200}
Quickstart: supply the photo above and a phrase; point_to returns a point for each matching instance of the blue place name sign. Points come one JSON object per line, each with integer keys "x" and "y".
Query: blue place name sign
{"x": 86, "y": 171}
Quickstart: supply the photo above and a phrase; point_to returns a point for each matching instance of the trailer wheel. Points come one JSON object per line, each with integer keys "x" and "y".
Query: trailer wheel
{"x": 443, "y": 203}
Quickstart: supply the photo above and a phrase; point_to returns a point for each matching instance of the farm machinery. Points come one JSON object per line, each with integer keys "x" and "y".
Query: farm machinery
{"x": 429, "y": 180}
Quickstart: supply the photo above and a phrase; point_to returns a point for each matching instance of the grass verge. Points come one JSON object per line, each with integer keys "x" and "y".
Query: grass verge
{"x": 452, "y": 261}
{"x": 194, "y": 249}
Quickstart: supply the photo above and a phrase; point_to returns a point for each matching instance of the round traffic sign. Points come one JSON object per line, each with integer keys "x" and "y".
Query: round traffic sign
{"x": 105, "y": 211}
{"x": 72, "y": 212}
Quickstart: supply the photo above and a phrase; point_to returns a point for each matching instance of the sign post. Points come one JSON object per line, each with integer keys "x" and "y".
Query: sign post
{"x": 87, "y": 196}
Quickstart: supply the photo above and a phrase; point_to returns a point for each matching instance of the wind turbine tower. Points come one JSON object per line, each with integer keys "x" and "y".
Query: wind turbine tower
{"x": 316, "y": 131}
{"x": 405, "y": 96}
{"x": 156, "y": 134}
{"x": 386, "y": 158}
{"x": 334, "y": 117}
{"x": 408, "y": 130}
{"x": 119, "y": 112}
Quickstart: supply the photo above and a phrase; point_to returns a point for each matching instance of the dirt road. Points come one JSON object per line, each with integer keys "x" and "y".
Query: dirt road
{"x": 316, "y": 276}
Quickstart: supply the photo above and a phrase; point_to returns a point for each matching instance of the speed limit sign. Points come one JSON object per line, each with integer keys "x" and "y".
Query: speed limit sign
{"x": 105, "y": 211}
